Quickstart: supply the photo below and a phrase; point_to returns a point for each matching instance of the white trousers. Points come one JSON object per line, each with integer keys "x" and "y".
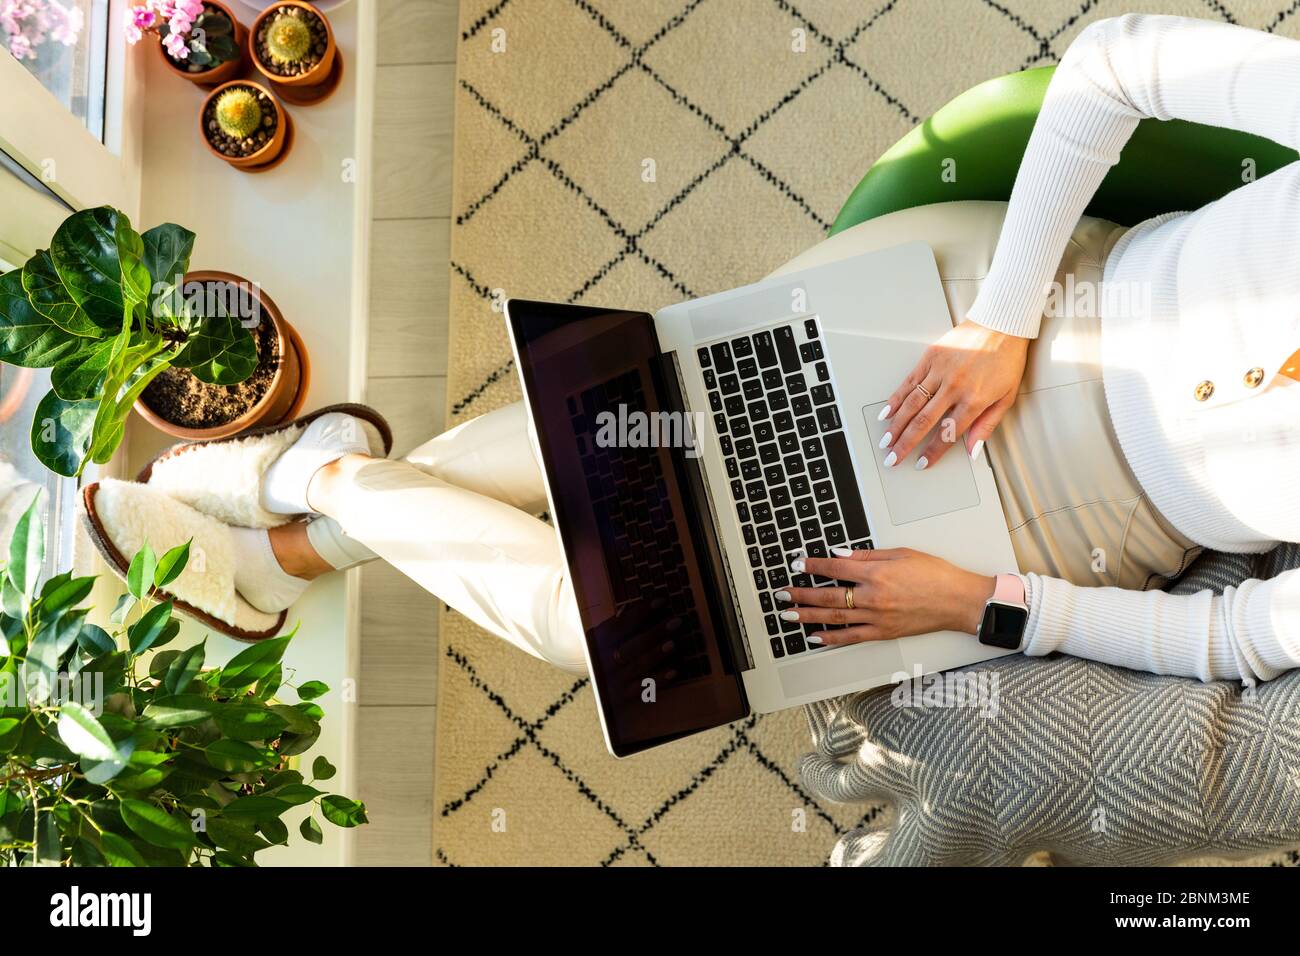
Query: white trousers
{"x": 457, "y": 515}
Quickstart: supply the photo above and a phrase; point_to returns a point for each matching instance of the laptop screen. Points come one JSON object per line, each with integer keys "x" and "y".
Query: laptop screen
{"x": 620, "y": 462}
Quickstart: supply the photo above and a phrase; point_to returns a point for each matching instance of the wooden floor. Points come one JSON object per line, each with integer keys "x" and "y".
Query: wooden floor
{"x": 406, "y": 381}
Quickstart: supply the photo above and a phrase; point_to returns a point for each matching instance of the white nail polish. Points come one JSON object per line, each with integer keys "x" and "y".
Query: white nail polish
{"x": 976, "y": 449}
{"x": 922, "y": 463}
{"x": 813, "y": 639}
{"x": 891, "y": 460}
{"x": 797, "y": 565}
{"x": 842, "y": 552}
{"x": 884, "y": 413}
{"x": 782, "y": 596}
{"x": 789, "y": 615}
{"x": 884, "y": 442}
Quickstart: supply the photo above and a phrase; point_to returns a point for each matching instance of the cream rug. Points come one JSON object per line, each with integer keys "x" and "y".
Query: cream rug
{"x": 632, "y": 153}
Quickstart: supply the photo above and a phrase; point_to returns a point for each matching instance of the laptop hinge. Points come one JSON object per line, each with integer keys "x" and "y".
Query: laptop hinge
{"x": 699, "y": 488}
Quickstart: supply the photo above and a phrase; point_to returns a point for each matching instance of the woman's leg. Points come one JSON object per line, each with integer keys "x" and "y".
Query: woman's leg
{"x": 497, "y": 565}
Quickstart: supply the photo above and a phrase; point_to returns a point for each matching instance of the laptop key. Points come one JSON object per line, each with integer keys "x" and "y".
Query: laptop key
{"x": 729, "y": 384}
{"x": 772, "y": 626}
{"x": 829, "y": 513}
{"x": 795, "y": 385}
{"x": 741, "y": 347}
{"x": 740, "y": 427}
{"x": 773, "y": 557}
{"x": 773, "y": 475}
{"x": 846, "y": 485}
{"x": 720, "y": 423}
{"x": 758, "y": 411}
{"x": 823, "y": 491}
{"x": 772, "y": 378}
{"x": 734, "y": 405}
{"x": 755, "y": 558}
{"x": 794, "y": 642}
{"x": 760, "y": 580}
{"x": 788, "y": 443}
{"x": 747, "y": 368}
{"x": 752, "y": 389}
{"x": 751, "y": 470}
{"x": 756, "y": 491}
{"x": 722, "y": 359}
{"x": 733, "y": 470}
{"x": 835, "y": 535}
{"x": 778, "y": 650}
{"x": 763, "y": 431}
{"x": 823, "y": 372}
{"x": 748, "y": 533}
{"x": 783, "y": 421}
{"x": 799, "y": 485}
{"x": 785, "y": 518}
{"x": 765, "y": 350}
{"x": 785, "y": 348}
{"x": 780, "y": 497}
{"x": 810, "y": 328}
{"x": 818, "y": 469}
{"x": 765, "y": 601}
{"x": 821, "y": 394}
{"x": 710, "y": 379}
{"x": 810, "y": 529}
{"x": 767, "y": 534}
{"x": 778, "y": 400}
{"x": 778, "y": 578}
{"x": 793, "y": 464}
{"x": 807, "y": 427}
{"x": 737, "y": 490}
{"x": 828, "y": 417}
{"x": 715, "y": 401}
{"x": 769, "y": 454}
{"x": 762, "y": 512}
{"x": 724, "y": 443}
{"x": 811, "y": 351}
{"x": 703, "y": 355}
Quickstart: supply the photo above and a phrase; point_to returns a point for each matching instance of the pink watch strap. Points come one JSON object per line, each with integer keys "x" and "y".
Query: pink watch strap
{"x": 1009, "y": 588}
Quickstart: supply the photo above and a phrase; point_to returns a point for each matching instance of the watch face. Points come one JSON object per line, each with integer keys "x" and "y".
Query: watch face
{"x": 1003, "y": 625}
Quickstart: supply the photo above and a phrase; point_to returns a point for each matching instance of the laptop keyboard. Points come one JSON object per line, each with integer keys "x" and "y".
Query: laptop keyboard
{"x": 787, "y": 459}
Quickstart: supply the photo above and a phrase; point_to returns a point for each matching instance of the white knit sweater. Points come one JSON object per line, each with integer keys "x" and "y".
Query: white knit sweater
{"x": 1220, "y": 296}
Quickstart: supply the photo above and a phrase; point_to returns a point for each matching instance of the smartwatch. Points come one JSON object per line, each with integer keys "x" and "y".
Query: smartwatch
{"x": 1005, "y": 615}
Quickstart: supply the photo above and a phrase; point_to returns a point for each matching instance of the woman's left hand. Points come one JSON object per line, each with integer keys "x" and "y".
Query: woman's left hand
{"x": 896, "y": 592}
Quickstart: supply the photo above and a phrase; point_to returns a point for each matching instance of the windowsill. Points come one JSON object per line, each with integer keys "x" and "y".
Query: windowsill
{"x": 301, "y": 231}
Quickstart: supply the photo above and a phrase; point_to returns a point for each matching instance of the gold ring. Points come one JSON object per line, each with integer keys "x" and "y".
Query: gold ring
{"x": 924, "y": 391}
{"x": 848, "y": 598}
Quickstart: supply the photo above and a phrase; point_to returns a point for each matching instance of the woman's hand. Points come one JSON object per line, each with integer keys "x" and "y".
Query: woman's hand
{"x": 896, "y": 592}
{"x": 971, "y": 375}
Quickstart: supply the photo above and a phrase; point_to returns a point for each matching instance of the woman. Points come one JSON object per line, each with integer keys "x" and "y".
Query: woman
{"x": 1122, "y": 440}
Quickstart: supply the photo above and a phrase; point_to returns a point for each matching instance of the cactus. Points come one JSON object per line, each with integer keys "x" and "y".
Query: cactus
{"x": 288, "y": 39}
{"x": 238, "y": 113}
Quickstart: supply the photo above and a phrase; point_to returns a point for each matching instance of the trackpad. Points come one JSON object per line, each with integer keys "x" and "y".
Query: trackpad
{"x": 912, "y": 495}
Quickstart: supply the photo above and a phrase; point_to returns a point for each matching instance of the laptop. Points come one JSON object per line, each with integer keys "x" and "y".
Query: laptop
{"x": 689, "y": 456}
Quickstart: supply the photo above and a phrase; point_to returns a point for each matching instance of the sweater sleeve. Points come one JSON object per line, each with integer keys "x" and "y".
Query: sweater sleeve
{"x": 1249, "y": 633}
{"x": 1117, "y": 72}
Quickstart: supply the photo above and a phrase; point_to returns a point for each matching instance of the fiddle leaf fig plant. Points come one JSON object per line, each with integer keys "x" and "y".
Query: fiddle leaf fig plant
{"x": 103, "y": 309}
{"x": 116, "y": 753}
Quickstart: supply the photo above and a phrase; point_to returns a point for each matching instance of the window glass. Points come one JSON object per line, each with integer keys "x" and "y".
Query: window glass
{"x": 64, "y": 44}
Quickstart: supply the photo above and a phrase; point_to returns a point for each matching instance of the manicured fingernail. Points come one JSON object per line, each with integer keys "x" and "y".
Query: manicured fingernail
{"x": 884, "y": 442}
{"x": 797, "y": 565}
{"x": 813, "y": 639}
{"x": 842, "y": 552}
{"x": 884, "y": 413}
{"x": 782, "y": 596}
{"x": 891, "y": 460}
{"x": 976, "y": 449}
{"x": 922, "y": 463}
{"x": 789, "y": 615}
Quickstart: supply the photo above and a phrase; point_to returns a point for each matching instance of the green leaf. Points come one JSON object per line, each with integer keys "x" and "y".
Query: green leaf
{"x": 296, "y": 794}
{"x": 82, "y": 733}
{"x": 10, "y": 731}
{"x": 311, "y": 831}
{"x": 48, "y": 296}
{"x": 81, "y": 376}
{"x": 184, "y": 668}
{"x": 171, "y": 564}
{"x": 157, "y": 826}
{"x": 139, "y": 577}
{"x": 251, "y": 665}
{"x": 100, "y": 772}
{"x": 235, "y": 756}
{"x": 256, "y": 807}
{"x": 274, "y": 830}
{"x": 312, "y": 689}
{"x": 27, "y": 551}
{"x": 93, "y": 639}
{"x": 295, "y": 720}
{"x": 97, "y": 256}
{"x": 143, "y": 633}
{"x": 119, "y": 851}
{"x": 123, "y": 607}
{"x": 249, "y": 722}
{"x": 233, "y": 836}
{"x": 220, "y": 351}
{"x": 27, "y": 337}
{"x": 343, "y": 812}
{"x": 178, "y": 711}
{"x": 66, "y": 594}
{"x": 49, "y": 848}
{"x": 322, "y": 769}
{"x": 62, "y": 433}
{"x": 167, "y": 251}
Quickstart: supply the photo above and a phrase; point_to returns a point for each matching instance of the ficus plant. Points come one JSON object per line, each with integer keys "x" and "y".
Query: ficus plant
{"x": 103, "y": 309}
{"x": 116, "y": 753}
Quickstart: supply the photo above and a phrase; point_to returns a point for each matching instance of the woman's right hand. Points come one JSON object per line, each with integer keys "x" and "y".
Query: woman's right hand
{"x": 970, "y": 376}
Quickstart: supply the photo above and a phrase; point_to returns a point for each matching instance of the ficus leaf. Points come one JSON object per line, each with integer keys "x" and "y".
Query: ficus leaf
{"x": 139, "y": 577}
{"x": 157, "y": 826}
{"x": 83, "y": 734}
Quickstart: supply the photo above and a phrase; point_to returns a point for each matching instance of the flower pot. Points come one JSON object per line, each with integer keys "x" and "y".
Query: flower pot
{"x": 219, "y": 74}
{"x": 262, "y": 158}
{"x": 314, "y": 84}
{"x": 18, "y": 383}
{"x": 284, "y": 396}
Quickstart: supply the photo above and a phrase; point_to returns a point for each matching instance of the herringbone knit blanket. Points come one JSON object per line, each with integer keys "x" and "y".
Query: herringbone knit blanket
{"x": 1091, "y": 763}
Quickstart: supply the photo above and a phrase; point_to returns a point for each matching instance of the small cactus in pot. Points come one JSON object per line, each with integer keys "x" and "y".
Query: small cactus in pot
{"x": 238, "y": 113}
{"x": 288, "y": 38}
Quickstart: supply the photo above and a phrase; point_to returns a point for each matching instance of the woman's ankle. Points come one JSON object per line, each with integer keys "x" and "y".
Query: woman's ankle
{"x": 294, "y": 553}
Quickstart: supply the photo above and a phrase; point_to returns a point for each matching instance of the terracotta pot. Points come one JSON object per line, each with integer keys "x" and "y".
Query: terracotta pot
{"x": 276, "y": 147}
{"x": 282, "y": 401}
{"x": 318, "y": 76}
{"x": 226, "y": 71}
{"x": 20, "y": 381}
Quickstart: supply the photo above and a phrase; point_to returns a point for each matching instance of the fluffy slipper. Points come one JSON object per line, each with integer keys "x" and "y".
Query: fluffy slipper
{"x": 121, "y": 516}
{"x": 223, "y": 477}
